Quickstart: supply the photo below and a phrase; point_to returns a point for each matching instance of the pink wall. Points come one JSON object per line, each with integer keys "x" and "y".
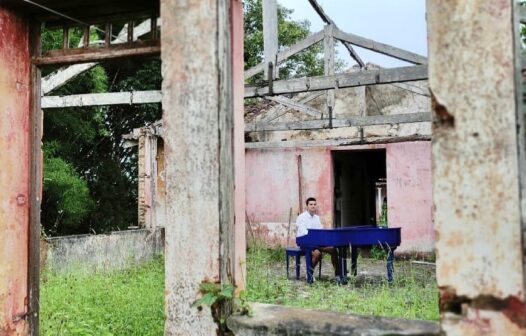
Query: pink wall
{"x": 409, "y": 194}
{"x": 272, "y": 188}
{"x": 14, "y": 173}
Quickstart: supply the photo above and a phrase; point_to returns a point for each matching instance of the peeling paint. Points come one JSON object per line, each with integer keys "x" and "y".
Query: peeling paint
{"x": 14, "y": 174}
{"x": 475, "y": 167}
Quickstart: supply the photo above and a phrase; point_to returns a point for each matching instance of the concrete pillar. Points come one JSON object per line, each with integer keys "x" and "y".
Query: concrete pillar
{"x": 15, "y": 156}
{"x": 198, "y": 134}
{"x": 475, "y": 167}
{"x": 147, "y": 171}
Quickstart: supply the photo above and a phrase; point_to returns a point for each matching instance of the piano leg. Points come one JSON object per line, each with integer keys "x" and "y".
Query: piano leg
{"x": 354, "y": 261}
{"x": 390, "y": 266}
{"x": 308, "y": 262}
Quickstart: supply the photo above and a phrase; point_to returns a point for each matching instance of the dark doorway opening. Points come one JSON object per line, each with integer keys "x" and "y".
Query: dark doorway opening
{"x": 359, "y": 184}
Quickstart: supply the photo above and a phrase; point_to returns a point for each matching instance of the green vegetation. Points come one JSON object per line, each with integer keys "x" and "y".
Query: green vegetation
{"x": 413, "y": 295}
{"x": 130, "y": 302}
{"x": 124, "y": 303}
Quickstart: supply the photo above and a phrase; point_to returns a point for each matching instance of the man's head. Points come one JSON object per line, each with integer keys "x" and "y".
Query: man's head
{"x": 311, "y": 205}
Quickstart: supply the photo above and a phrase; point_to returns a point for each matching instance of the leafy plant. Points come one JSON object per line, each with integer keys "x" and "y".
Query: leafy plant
{"x": 215, "y": 294}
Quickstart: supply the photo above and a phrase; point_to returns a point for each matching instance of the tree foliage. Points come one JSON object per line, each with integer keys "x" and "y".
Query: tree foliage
{"x": 306, "y": 63}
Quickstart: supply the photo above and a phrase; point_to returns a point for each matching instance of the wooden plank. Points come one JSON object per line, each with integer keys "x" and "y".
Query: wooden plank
{"x": 358, "y": 78}
{"x": 70, "y": 56}
{"x": 283, "y": 55}
{"x": 279, "y": 110}
{"x": 35, "y": 183}
{"x": 381, "y": 48}
{"x": 336, "y": 143}
{"x": 296, "y": 106}
{"x": 337, "y": 123}
{"x": 63, "y": 75}
{"x": 99, "y": 99}
{"x": 328, "y": 20}
{"x": 270, "y": 35}
{"x": 225, "y": 127}
{"x": 328, "y": 50}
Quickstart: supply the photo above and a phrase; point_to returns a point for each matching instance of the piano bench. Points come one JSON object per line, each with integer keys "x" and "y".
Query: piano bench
{"x": 297, "y": 253}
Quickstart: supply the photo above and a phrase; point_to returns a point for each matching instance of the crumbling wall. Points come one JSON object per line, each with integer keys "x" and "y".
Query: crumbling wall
{"x": 475, "y": 168}
{"x": 14, "y": 174}
{"x": 103, "y": 252}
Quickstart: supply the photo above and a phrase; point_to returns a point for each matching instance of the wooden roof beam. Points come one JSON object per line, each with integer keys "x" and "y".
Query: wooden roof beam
{"x": 329, "y": 21}
{"x": 283, "y": 55}
{"x": 358, "y": 78}
{"x": 378, "y": 47}
{"x": 337, "y": 123}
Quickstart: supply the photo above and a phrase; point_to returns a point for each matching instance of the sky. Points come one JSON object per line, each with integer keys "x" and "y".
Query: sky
{"x": 400, "y": 23}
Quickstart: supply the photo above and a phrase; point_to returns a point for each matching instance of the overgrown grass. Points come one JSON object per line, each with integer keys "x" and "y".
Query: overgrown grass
{"x": 129, "y": 302}
{"x": 413, "y": 294}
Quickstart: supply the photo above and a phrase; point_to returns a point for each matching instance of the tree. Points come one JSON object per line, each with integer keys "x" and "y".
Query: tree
{"x": 307, "y": 63}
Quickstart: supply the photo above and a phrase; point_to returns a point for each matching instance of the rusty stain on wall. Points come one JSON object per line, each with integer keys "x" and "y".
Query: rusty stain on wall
{"x": 14, "y": 173}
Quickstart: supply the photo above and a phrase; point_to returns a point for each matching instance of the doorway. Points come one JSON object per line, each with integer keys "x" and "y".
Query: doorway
{"x": 359, "y": 186}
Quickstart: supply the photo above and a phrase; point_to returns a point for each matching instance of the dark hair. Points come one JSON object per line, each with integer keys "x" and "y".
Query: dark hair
{"x": 309, "y": 200}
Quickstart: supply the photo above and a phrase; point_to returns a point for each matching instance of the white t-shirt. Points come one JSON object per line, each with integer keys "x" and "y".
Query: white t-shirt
{"x": 305, "y": 221}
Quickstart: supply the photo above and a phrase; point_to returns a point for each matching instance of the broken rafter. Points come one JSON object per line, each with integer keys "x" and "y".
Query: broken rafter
{"x": 336, "y": 123}
{"x": 413, "y": 88}
{"x": 381, "y": 48}
{"x": 329, "y": 21}
{"x": 296, "y": 106}
{"x": 358, "y": 78}
{"x": 279, "y": 110}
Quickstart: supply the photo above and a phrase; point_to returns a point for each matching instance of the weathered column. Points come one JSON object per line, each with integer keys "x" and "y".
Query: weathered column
{"x": 15, "y": 156}
{"x": 475, "y": 167}
{"x": 239, "y": 141}
{"x": 198, "y": 121}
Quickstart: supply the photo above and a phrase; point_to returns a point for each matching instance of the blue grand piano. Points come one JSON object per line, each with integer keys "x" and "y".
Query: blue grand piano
{"x": 355, "y": 237}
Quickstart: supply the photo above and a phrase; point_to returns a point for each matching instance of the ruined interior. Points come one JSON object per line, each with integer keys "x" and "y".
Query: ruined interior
{"x": 477, "y": 148}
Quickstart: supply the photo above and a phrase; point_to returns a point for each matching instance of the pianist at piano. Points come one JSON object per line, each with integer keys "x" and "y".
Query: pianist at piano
{"x": 309, "y": 220}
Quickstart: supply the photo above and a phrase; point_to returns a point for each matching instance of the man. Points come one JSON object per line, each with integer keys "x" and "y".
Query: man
{"x": 309, "y": 220}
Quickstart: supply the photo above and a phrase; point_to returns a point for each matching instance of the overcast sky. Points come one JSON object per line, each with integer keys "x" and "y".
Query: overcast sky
{"x": 400, "y": 23}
